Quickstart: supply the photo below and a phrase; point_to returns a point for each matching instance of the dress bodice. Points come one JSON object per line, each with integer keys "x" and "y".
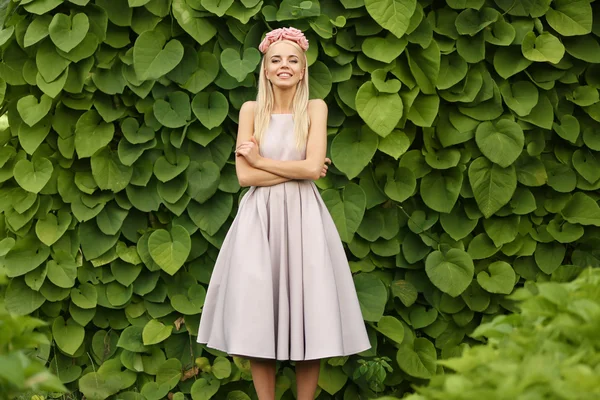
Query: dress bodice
{"x": 278, "y": 142}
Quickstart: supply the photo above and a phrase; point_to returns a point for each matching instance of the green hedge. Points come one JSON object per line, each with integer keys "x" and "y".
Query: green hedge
{"x": 549, "y": 350}
{"x": 464, "y": 136}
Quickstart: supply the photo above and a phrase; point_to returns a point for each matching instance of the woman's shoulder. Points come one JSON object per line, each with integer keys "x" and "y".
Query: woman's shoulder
{"x": 317, "y": 107}
{"x": 248, "y": 107}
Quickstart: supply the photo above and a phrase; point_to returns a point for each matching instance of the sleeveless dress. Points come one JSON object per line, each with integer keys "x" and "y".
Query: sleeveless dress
{"x": 281, "y": 287}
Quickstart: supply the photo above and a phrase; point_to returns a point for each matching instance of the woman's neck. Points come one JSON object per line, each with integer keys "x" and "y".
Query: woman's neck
{"x": 283, "y": 100}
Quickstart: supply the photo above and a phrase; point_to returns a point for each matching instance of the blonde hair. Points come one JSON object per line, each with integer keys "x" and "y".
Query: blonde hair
{"x": 265, "y": 101}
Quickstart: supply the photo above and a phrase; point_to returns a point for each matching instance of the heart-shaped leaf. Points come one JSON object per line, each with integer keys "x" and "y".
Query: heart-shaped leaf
{"x": 347, "y": 210}
{"x": 30, "y": 137}
{"x": 134, "y": 133}
{"x": 33, "y": 176}
{"x": 51, "y": 228}
{"x": 545, "y": 47}
{"x": 174, "y": 112}
{"x": 502, "y": 142}
{"x": 385, "y": 49}
{"x": 352, "y": 149}
{"x": 31, "y": 111}
{"x": 210, "y": 108}
{"x": 384, "y": 85}
{"x": 203, "y": 180}
{"x": 452, "y": 272}
{"x": 68, "y": 336}
{"x": 67, "y": 32}
{"x": 170, "y": 250}
{"x": 109, "y": 172}
{"x": 191, "y": 302}
{"x": 153, "y": 57}
{"x": 165, "y": 171}
{"x": 92, "y": 134}
{"x": 500, "y": 278}
{"x": 212, "y": 214}
{"x": 155, "y": 332}
{"x": 381, "y": 111}
{"x": 393, "y": 15}
{"x": 238, "y": 67}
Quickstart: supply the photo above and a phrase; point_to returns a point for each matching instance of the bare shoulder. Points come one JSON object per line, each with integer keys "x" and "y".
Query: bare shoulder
{"x": 317, "y": 106}
{"x": 248, "y": 108}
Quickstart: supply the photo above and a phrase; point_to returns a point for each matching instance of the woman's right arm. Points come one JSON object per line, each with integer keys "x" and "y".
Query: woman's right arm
{"x": 247, "y": 174}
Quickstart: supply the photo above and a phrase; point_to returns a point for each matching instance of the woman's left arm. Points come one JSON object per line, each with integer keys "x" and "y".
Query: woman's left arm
{"x": 316, "y": 148}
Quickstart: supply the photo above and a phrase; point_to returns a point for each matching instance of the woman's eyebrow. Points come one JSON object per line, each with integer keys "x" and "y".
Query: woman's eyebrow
{"x": 277, "y": 55}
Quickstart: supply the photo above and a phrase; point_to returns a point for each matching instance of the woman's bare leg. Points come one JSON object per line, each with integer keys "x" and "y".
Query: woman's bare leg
{"x": 263, "y": 376}
{"x": 307, "y": 376}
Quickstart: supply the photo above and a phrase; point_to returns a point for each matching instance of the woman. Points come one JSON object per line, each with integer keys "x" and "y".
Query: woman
{"x": 281, "y": 288}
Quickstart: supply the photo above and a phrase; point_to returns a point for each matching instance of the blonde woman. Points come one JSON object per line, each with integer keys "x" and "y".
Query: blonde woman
{"x": 281, "y": 288}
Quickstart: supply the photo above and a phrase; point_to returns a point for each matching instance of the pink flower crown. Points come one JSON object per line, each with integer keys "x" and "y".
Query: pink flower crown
{"x": 292, "y": 34}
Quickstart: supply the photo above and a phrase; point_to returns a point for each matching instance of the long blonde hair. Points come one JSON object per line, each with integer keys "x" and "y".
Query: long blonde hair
{"x": 265, "y": 101}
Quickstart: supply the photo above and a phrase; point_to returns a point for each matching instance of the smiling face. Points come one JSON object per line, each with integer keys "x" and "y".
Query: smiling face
{"x": 284, "y": 64}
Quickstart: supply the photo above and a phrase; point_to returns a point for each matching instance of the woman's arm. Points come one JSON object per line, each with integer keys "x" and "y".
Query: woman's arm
{"x": 311, "y": 168}
{"x": 246, "y": 173}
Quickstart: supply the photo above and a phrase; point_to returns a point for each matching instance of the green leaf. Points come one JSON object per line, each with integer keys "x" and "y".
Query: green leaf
{"x": 155, "y": 332}
{"x": 31, "y": 138}
{"x": 92, "y": 134}
{"x": 581, "y": 209}
{"x": 221, "y": 368}
{"x": 201, "y": 29}
{"x": 173, "y": 112}
{"x": 381, "y": 111}
{"x": 352, "y": 150}
{"x": 33, "y": 176}
{"x": 452, "y": 272}
{"x": 37, "y": 30}
{"x": 545, "y": 47}
{"x": 417, "y": 359}
{"x": 170, "y": 250}
{"x": 67, "y": 32}
{"x": 570, "y": 17}
{"x": 372, "y": 295}
{"x": 393, "y": 15}
{"x": 500, "y": 278}
{"x": 210, "y": 108}
{"x": 520, "y": 96}
{"x": 385, "y": 49}
{"x": 51, "y": 228}
{"x": 32, "y": 111}
{"x": 154, "y": 57}
{"x": 440, "y": 189}
{"x": 470, "y": 21}
{"x": 68, "y": 336}
{"x": 203, "y": 390}
{"x": 84, "y": 296}
{"x": 218, "y": 7}
{"x": 109, "y": 172}
{"x": 331, "y": 378}
{"x": 392, "y": 328}
{"x": 424, "y": 110}
{"x": 20, "y": 299}
{"x": 493, "y": 186}
{"x": 501, "y": 142}
{"x": 400, "y": 185}
{"x": 239, "y": 67}
{"x": 212, "y": 214}
{"x": 346, "y": 210}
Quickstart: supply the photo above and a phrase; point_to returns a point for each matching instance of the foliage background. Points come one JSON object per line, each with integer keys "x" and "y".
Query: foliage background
{"x": 464, "y": 135}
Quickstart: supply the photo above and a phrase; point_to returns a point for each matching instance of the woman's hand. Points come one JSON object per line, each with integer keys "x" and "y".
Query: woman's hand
{"x": 249, "y": 150}
{"x": 325, "y": 167}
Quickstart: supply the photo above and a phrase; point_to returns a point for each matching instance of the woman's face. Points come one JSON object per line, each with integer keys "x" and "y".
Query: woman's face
{"x": 284, "y": 65}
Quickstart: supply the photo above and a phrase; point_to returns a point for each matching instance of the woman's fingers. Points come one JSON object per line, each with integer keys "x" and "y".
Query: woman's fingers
{"x": 327, "y": 160}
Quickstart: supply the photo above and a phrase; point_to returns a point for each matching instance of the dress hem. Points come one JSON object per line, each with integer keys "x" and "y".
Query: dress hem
{"x": 270, "y": 357}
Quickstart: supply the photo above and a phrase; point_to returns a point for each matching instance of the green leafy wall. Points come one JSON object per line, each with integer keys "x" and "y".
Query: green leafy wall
{"x": 464, "y": 136}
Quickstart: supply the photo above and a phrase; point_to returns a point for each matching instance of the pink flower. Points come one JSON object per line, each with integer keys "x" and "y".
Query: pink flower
{"x": 292, "y": 34}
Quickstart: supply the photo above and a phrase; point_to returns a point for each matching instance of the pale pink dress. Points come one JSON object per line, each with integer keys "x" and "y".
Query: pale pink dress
{"x": 281, "y": 287}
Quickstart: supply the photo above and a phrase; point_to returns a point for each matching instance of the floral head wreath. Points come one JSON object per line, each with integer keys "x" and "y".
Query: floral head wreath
{"x": 291, "y": 34}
